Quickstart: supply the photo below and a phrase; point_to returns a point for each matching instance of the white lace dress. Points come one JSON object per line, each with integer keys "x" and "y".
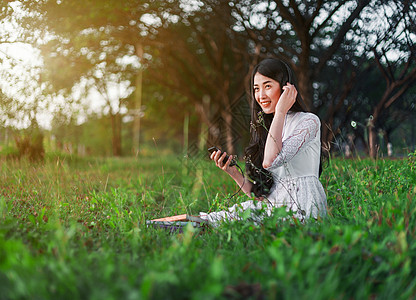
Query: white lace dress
{"x": 295, "y": 171}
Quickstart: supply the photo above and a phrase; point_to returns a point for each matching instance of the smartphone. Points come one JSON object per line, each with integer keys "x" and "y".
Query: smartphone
{"x": 214, "y": 148}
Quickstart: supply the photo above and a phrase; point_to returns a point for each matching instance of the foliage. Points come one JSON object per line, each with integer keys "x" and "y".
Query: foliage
{"x": 28, "y": 145}
{"x": 202, "y": 53}
{"x": 75, "y": 228}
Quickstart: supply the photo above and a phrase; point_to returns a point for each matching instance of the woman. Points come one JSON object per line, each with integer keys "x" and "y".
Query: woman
{"x": 283, "y": 157}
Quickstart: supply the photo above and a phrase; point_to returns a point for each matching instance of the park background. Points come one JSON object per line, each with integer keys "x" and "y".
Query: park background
{"x": 108, "y": 78}
{"x": 106, "y": 111}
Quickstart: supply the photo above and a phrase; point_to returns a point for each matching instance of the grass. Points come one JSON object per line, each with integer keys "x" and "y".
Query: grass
{"x": 74, "y": 228}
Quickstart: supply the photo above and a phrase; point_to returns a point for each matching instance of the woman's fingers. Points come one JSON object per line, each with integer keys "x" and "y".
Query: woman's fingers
{"x": 218, "y": 158}
{"x": 287, "y": 99}
{"x": 290, "y": 90}
{"x": 215, "y": 155}
{"x": 227, "y": 163}
{"x": 221, "y": 159}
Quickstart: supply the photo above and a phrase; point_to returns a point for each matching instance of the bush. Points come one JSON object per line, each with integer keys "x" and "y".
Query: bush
{"x": 30, "y": 146}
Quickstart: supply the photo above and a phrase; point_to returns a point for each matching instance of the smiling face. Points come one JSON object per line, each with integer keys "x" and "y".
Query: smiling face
{"x": 266, "y": 92}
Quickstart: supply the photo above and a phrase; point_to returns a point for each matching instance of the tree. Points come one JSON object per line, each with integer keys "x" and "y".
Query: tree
{"x": 329, "y": 45}
{"x": 191, "y": 45}
{"x": 395, "y": 56}
{"x": 306, "y": 34}
{"x": 77, "y": 54}
{"x": 23, "y": 100}
{"x": 203, "y": 59}
{"x": 24, "y": 95}
{"x": 86, "y": 37}
{"x": 203, "y": 50}
{"x": 317, "y": 38}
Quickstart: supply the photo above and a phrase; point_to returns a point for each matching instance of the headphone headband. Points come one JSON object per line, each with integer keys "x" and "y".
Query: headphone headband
{"x": 289, "y": 73}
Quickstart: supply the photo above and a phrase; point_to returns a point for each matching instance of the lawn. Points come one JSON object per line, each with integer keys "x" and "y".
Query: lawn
{"x": 74, "y": 228}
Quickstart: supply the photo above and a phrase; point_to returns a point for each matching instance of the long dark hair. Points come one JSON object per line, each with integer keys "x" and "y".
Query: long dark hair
{"x": 260, "y": 123}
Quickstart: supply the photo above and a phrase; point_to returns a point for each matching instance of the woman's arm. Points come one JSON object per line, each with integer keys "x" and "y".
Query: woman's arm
{"x": 306, "y": 131}
{"x": 239, "y": 178}
{"x": 274, "y": 138}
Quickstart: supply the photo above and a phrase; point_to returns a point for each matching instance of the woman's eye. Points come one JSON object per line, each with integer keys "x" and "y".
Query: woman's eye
{"x": 268, "y": 86}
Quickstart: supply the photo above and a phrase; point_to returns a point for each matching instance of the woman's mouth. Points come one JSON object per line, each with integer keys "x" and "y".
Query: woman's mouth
{"x": 265, "y": 103}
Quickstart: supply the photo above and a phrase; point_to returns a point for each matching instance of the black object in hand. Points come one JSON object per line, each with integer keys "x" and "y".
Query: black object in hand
{"x": 212, "y": 149}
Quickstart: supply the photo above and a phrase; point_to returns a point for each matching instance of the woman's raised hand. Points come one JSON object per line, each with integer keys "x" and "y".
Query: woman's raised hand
{"x": 218, "y": 157}
{"x": 287, "y": 99}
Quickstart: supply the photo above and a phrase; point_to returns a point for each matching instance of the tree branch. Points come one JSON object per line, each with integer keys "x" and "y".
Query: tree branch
{"x": 346, "y": 26}
{"x": 389, "y": 66}
{"x": 405, "y": 86}
{"x": 380, "y": 67}
{"x": 309, "y": 21}
{"x": 331, "y": 13}
{"x": 284, "y": 11}
{"x": 298, "y": 17}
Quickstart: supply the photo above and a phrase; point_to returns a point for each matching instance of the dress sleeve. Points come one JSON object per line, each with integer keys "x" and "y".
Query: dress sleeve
{"x": 303, "y": 134}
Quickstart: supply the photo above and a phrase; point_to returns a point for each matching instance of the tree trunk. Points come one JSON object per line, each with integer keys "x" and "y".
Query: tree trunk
{"x": 305, "y": 86}
{"x": 228, "y": 132}
{"x": 227, "y": 117}
{"x": 137, "y": 103}
{"x": 328, "y": 130}
{"x": 116, "y": 137}
{"x": 372, "y": 138}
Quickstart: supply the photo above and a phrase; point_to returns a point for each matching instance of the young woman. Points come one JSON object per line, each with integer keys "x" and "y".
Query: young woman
{"x": 283, "y": 157}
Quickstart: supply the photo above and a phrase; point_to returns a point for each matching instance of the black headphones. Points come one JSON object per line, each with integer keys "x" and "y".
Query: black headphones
{"x": 289, "y": 73}
{"x": 290, "y": 77}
